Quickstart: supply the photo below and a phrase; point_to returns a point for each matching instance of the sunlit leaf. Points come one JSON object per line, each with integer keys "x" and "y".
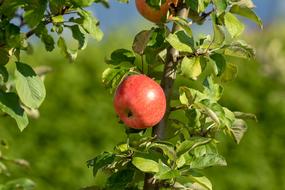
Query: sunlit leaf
{"x": 191, "y": 67}
{"x": 90, "y": 24}
{"x": 68, "y": 53}
{"x": 230, "y": 72}
{"x": 166, "y": 172}
{"x": 145, "y": 165}
{"x": 220, "y": 5}
{"x": 188, "y": 145}
{"x": 208, "y": 160}
{"x": 248, "y": 13}
{"x": 219, "y": 36}
{"x": 233, "y": 25}
{"x": 181, "y": 41}
{"x": 29, "y": 86}
{"x": 213, "y": 90}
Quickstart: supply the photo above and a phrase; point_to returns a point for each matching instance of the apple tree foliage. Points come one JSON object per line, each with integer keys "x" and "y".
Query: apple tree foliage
{"x": 22, "y": 90}
{"x": 195, "y": 118}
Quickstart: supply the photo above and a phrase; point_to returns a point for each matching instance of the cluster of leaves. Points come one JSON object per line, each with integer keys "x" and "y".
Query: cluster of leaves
{"x": 22, "y": 92}
{"x": 192, "y": 144}
{"x": 21, "y": 183}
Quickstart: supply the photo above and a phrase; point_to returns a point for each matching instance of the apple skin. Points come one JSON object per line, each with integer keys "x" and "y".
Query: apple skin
{"x": 152, "y": 14}
{"x": 139, "y": 102}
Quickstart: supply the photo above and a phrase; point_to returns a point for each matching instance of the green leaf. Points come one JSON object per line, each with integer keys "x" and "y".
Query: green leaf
{"x": 145, "y": 165}
{"x": 120, "y": 179}
{"x": 213, "y": 90}
{"x": 230, "y": 72}
{"x": 141, "y": 41}
{"x": 193, "y": 116}
{"x": 192, "y": 95}
{"x": 101, "y": 161}
{"x": 105, "y": 3}
{"x": 181, "y": 41}
{"x": 208, "y": 160}
{"x": 246, "y": 12}
{"x": 240, "y": 49}
{"x": 68, "y": 53}
{"x": 165, "y": 172}
{"x": 4, "y": 56}
{"x": 241, "y": 115}
{"x": 29, "y": 86}
{"x": 112, "y": 77}
{"x": 48, "y": 41}
{"x": 184, "y": 159}
{"x": 209, "y": 148}
{"x": 21, "y": 184}
{"x": 189, "y": 145}
{"x": 166, "y": 149}
{"x": 3, "y": 168}
{"x": 238, "y": 130}
{"x": 78, "y": 35}
{"x": 219, "y": 35}
{"x": 42, "y": 32}
{"x": 205, "y": 109}
{"x": 202, "y": 180}
{"x": 13, "y": 36}
{"x": 244, "y": 3}
{"x": 185, "y": 97}
{"x": 233, "y": 25}
{"x": 9, "y": 103}
{"x": 34, "y": 12}
{"x": 228, "y": 118}
{"x": 90, "y": 24}
{"x": 57, "y": 19}
{"x": 8, "y": 8}
{"x": 82, "y": 3}
{"x": 221, "y": 6}
{"x": 183, "y": 23}
{"x": 198, "y": 5}
{"x": 220, "y": 63}
{"x": 191, "y": 67}
{"x": 4, "y": 75}
{"x": 122, "y": 56}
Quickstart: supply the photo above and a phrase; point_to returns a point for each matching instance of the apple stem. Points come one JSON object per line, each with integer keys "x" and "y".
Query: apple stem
{"x": 167, "y": 81}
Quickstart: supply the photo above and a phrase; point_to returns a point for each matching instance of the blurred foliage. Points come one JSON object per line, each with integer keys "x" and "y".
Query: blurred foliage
{"x": 77, "y": 120}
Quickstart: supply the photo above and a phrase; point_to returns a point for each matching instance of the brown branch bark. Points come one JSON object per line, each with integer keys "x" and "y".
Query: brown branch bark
{"x": 168, "y": 78}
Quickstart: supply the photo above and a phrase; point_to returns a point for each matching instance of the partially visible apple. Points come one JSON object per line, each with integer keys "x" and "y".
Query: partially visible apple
{"x": 152, "y": 14}
{"x": 139, "y": 102}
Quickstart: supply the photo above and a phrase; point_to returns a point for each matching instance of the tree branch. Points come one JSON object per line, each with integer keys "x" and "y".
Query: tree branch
{"x": 169, "y": 75}
{"x": 167, "y": 81}
{"x": 32, "y": 32}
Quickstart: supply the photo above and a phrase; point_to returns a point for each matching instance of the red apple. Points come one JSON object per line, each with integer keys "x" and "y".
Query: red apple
{"x": 152, "y": 14}
{"x": 140, "y": 102}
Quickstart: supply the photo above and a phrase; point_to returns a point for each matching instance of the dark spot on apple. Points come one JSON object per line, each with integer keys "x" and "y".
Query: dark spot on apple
{"x": 129, "y": 113}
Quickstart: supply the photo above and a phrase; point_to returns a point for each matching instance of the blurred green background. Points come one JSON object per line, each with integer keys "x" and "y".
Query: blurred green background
{"x": 78, "y": 121}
